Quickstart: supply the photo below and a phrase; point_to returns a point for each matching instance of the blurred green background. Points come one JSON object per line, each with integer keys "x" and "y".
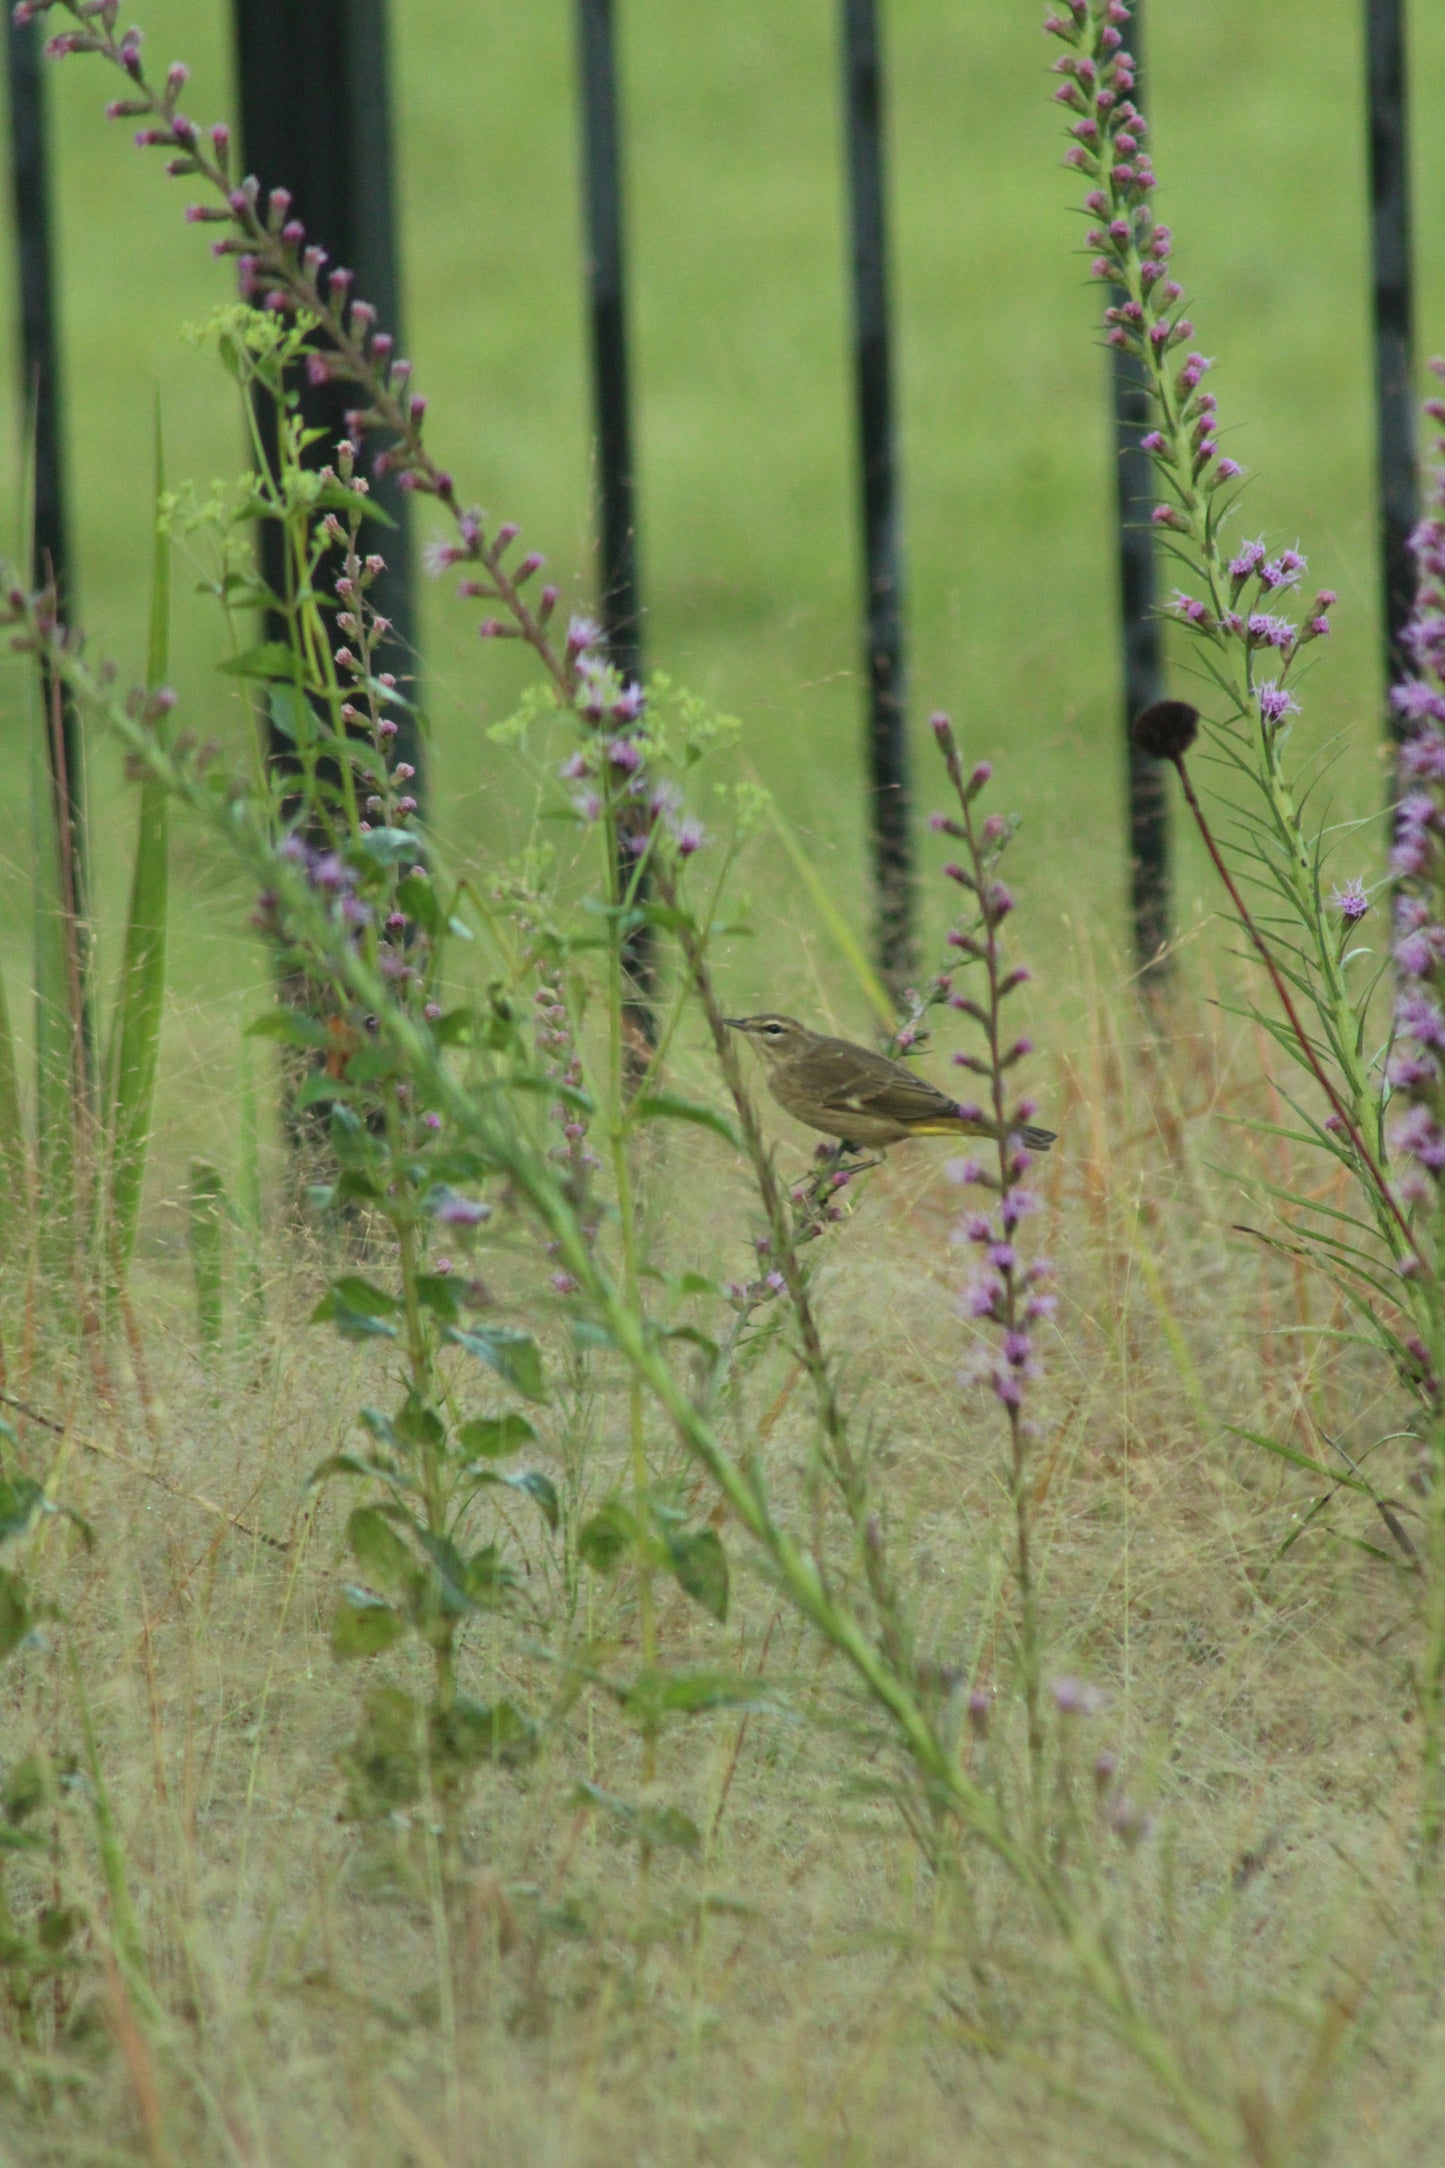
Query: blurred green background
{"x": 743, "y": 413}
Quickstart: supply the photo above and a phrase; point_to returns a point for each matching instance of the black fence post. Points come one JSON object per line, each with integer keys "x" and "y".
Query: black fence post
{"x": 316, "y": 119}
{"x": 619, "y": 602}
{"x": 878, "y": 460}
{"x": 1140, "y": 631}
{"x": 40, "y": 370}
{"x": 1393, "y": 319}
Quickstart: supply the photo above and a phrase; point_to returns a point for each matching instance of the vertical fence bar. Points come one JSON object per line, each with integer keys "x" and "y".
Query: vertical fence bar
{"x": 316, "y": 119}
{"x": 607, "y": 305}
{"x": 40, "y": 371}
{"x": 1140, "y": 633}
{"x": 1393, "y": 318}
{"x": 878, "y": 461}
{"x": 620, "y": 602}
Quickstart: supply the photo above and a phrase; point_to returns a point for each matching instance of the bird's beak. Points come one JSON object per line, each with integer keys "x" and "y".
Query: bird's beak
{"x": 735, "y": 1023}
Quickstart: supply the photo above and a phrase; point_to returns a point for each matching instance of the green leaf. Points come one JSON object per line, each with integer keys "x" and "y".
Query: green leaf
{"x": 362, "y": 1625}
{"x": 352, "y": 1182}
{"x": 655, "y": 1694}
{"x": 382, "y": 1760}
{"x": 334, "y": 496}
{"x": 420, "y": 1424}
{"x": 419, "y": 899}
{"x": 701, "y": 1566}
{"x": 437, "y": 1292}
{"x": 1338, "y": 1479}
{"x": 22, "y": 1502}
{"x": 388, "y": 846}
{"x": 335, "y": 1464}
{"x": 284, "y": 712}
{"x": 489, "y": 1581}
{"x": 659, "y": 1826}
{"x": 268, "y": 659}
{"x": 611, "y": 1531}
{"x": 469, "y": 1733}
{"x": 513, "y": 1355}
{"x": 292, "y": 1026}
{"x": 493, "y": 1437}
{"x": 667, "y": 1106}
{"x": 356, "y": 1308}
{"x": 448, "y": 1584}
{"x": 380, "y": 1551}
{"x": 530, "y": 1480}
{"x": 380, "y": 1426}
{"x": 15, "y": 1614}
{"x": 28, "y": 1789}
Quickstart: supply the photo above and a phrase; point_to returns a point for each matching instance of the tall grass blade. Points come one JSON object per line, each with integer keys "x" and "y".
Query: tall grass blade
{"x": 140, "y": 992}
{"x": 251, "y": 1303}
{"x": 14, "y": 1159}
{"x": 207, "y": 1208}
{"x": 127, "y": 1937}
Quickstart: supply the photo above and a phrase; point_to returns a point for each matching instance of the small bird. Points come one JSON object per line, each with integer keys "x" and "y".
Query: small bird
{"x": 856, "y": 1095}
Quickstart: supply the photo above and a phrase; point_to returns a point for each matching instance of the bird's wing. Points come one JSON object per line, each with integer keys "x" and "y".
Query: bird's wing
{"x": 851, "y": 1080}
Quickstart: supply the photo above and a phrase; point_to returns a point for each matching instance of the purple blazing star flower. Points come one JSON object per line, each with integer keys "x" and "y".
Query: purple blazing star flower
{"x": 1284, "y": 570}
{"x": 1417, "y": 1017}
{"x": 1269, "y": 631}
{"x": 1351, "y": 902}
{"x": 980, "y": 1297}
{"x": 1275, "y": 703}
{"x": 1418, "y": 1135}
{"x": 455, "y": 1210}
{"x": 1422, "y": 757}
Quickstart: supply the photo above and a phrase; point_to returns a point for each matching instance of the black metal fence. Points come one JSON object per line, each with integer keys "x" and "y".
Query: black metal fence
{"x": 315, "y": 116}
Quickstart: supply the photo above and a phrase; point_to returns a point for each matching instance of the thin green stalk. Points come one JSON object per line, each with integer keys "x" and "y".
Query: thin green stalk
{"x": 206, "y": 1206}
{"x": 129, "y": 1943}
{"x": 140, "y": 991}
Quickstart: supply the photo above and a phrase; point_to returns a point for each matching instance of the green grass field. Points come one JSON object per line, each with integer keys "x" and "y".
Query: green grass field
{"x": 800, "y": 1988}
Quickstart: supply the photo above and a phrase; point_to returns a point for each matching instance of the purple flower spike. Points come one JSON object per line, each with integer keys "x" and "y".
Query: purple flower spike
{"x": 453, "y": 1210}
{"x": 1073, "y": 1698}
{"x": 1275, "y": 704}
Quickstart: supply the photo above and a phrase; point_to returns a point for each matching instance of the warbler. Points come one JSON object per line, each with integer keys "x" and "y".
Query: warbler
{"x": 856, "y": 1095}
